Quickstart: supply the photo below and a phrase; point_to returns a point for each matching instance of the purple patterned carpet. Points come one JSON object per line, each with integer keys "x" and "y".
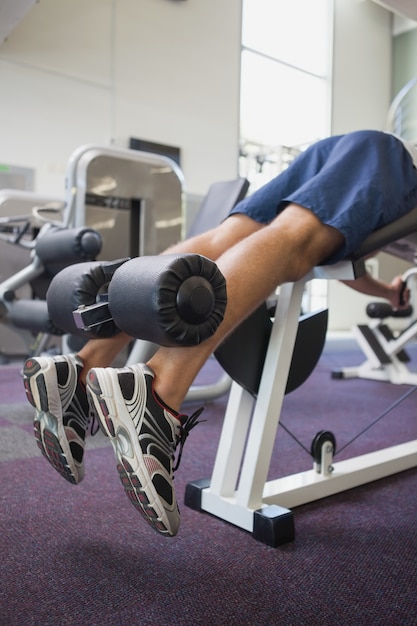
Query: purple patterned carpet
{"x": 82, "y": 556}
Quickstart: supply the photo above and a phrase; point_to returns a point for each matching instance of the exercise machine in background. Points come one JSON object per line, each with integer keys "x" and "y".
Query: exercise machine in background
{"x": 385, "y": 349}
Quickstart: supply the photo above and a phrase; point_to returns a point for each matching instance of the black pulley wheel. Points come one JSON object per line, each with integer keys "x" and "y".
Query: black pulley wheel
{"x": 321, "y": 438}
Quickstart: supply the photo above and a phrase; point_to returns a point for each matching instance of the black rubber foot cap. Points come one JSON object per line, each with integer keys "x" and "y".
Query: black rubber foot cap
{"x": 192, "y": 497}
{"x": 273, "y": 525}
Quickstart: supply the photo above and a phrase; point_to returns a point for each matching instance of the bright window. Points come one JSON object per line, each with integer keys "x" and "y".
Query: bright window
{"x": 285, "y": 81}
{"x": 295, "y": 32}
{"x": 281, "y": 105}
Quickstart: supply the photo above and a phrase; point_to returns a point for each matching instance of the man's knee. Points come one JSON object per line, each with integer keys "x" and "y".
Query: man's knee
{"x": 308, "y": 240}
{"x": 231, "y": 231}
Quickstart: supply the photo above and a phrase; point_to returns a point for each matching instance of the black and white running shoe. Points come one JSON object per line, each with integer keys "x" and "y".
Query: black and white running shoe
{"x": 61, "y": 419}
{"x": 145, "y": 434}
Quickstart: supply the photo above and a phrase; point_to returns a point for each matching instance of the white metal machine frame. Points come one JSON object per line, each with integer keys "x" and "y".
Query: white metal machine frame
{"x": 238, "y": 491}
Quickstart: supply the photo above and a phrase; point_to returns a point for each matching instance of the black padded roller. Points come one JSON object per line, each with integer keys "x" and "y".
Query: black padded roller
{"x": 32, "y": 315}
{"x": 82, "y": 284}
{"x": 168, "y": 299}
{"x": 60, "y": 247}
{"x": 382, "y": 310}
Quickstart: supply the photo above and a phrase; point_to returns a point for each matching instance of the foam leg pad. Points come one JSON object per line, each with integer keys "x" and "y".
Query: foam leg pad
{"x": 82, "y": 284}
{"x": 32, "y": 315}
{"x": 59, "y": 247}
{"x": 168, "y": 299}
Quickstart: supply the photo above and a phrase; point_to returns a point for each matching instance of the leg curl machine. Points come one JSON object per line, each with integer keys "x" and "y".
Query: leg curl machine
{"x": 238, "y": 490}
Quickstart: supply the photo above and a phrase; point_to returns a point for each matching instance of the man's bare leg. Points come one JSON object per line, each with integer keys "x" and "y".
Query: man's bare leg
{"x": 101, "y": 352}
{"x": 284, "y": 251}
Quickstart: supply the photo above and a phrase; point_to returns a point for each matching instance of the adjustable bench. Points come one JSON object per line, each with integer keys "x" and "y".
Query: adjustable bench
{"x": 238, "y": 490}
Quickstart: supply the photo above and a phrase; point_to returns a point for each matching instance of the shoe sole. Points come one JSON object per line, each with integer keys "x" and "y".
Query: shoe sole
{"x": 105, "y": 395}
{"x": 50, "y": 434}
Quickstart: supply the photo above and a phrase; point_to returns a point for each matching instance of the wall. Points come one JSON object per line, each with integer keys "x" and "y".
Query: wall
{"x": 99, "y": 71}
{"x": 405, "y": 58}
{"x": 404, "y": 70}
{"x": 361, "y": 66}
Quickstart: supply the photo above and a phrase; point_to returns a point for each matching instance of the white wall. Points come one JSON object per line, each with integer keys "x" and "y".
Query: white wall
{"x": 362, "y": 65}
{"x": 99, "y": 71}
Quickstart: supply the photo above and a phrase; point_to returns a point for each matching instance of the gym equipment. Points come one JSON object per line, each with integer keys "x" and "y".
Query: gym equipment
{"x": 242, "y": 355}
{"x": 22, "y": 214}
{"x": 47, "y": 247}
{"x": 386, "y": 357}
{"x": 184, "y": 294}
{"x": 167, "y": 299}
{"x": 238, "y": 490}
{"x": 53, "y": 249}
{"x": 133, "y": 200}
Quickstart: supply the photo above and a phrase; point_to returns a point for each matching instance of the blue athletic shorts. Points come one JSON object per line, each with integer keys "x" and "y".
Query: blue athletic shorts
{"x": 356, "y": 183}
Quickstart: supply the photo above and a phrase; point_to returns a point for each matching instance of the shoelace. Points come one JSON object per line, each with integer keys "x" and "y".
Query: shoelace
{"x": 185, "y": 428}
